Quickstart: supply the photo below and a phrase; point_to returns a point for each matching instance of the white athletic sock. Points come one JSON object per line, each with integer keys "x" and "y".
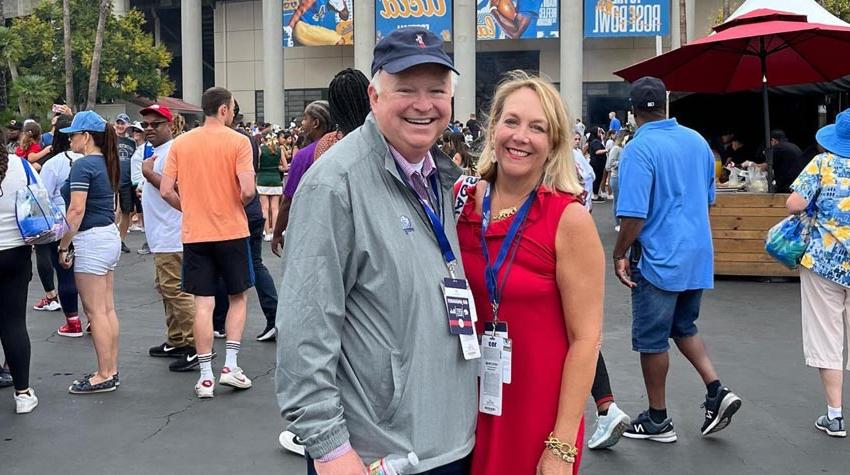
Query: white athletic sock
{"x": 232, "y": 348}
{"x": 833, "y": 412}
{"x": 205, "y": 361}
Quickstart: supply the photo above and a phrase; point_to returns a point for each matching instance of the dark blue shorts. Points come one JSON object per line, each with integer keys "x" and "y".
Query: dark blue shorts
{"x": 658, "y": 315}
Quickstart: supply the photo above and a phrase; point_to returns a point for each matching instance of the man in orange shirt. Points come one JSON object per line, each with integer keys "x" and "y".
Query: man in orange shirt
{"x": 212, "y": 165}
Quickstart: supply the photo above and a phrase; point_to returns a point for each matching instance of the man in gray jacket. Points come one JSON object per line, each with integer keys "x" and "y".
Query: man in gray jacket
{"x": 366, "y": 364}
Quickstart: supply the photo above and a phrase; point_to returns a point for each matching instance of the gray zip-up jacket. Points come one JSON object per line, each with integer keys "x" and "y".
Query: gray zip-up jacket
{"x": 364, "y": 350}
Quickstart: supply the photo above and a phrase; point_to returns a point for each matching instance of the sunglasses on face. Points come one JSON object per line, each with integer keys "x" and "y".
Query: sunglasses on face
{"x": 152, "y": 125}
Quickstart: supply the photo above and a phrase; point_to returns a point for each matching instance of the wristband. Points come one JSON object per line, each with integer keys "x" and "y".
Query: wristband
{"x": 620, "y": 258}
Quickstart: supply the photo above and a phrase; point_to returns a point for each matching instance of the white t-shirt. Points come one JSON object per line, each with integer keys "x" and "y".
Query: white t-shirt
{"x": 587, "y": 176}
{"x": 162, "y": 222}
{"x": 136, "y": 177}
{"x": 16, "y": 179}
{"x": 55, "y": 172}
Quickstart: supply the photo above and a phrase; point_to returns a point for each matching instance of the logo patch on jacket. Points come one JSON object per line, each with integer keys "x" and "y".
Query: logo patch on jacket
{"x": 406, "y": 225}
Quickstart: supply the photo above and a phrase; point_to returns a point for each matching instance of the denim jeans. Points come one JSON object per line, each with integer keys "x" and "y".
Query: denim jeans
{"x": 264, "y": 284}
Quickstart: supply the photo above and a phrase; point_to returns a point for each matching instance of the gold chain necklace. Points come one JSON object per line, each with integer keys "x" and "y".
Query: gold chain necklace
{"x": 506, "y": 213}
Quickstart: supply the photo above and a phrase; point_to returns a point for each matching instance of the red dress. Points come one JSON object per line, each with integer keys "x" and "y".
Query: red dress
{"x": 511, "y": 444}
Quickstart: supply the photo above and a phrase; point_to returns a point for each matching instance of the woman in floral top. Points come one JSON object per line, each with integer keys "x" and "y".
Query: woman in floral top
{"x": 825, "y": 267}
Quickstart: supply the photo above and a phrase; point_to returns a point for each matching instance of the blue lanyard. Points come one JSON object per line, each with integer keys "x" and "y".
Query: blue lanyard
{"x": 491, "y": 271}
{"x": 436, "y": 221}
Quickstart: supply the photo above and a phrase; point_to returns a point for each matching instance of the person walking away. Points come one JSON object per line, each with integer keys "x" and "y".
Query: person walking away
{"x": 269, "y": 184}
{"x": 212, "y": 166}
{"x": 825, "y": 267}
{"x": 598, "y": 157}
{"x": 666, "y": 187}
{"x": 362, "y": 240}
{"x": 15, "y": 275}
{"x": 612, "y": 168}
{"x": 164, "y": 240}
{"x": 126, "y": 198}
{"x": 89, "y": 192}
{"x": 54, "y": 173}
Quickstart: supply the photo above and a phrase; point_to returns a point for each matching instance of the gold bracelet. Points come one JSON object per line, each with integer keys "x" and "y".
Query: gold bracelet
{"x": 562, "y": 450}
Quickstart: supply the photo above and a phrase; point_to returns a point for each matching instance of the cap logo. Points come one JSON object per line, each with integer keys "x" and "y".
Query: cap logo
{"x": 650, "y": 104}
{"x": 420, "y": 41}
{"x": 154, "y": 106}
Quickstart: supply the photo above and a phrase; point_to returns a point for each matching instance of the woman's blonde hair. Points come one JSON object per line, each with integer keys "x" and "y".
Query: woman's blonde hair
{"x": 272, "y": 143}
{"x": 559, "y": 172}
{"x": 178, "y": 125}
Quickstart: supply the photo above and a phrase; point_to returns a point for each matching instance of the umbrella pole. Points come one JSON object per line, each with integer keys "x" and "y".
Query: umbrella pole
{"x": 768, "y": 148}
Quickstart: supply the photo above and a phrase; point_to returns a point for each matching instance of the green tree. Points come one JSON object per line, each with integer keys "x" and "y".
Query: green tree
{"x": 839, "y": 8}
{"x": 130, "y": 63}
{"x": 35, "y": 94}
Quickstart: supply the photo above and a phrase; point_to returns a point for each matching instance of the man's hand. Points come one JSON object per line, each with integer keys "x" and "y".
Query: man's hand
{"x": 622, "y": 271}
{"x": 348, "y": 464}
{"x": 277, "y": 244}
{"x": 147, "y": 165}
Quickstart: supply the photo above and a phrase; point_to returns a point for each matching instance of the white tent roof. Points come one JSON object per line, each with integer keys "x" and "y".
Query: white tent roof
{"x": 810, "y": 8}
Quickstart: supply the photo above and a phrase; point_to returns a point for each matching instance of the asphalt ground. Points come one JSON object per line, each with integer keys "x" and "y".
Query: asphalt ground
{"x": 154, "y": 423}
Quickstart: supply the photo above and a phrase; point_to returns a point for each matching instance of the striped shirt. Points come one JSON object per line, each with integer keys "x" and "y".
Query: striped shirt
{"x": 418, "y": 174}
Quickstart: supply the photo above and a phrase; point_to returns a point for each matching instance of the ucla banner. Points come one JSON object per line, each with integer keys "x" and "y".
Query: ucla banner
{"x": 434, "y": 15}
{"x": 612, "y": 18}
{"x": 517, "y": 19}
{"x": 318, "y": 22}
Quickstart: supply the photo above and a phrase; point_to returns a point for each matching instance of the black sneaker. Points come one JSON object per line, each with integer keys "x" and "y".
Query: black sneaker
{"x": 719, "y": 410}
{"x": 188, "y": 361}
{"x": 144, "y": 250}
{"x": 643, "y": 427}
{"x": 84, "y": 386}
{"x": 5, "y": 378}
{"x": 166, "y": 351}
{"x": 269, "y": 334}
{"x": 124, "y": 248}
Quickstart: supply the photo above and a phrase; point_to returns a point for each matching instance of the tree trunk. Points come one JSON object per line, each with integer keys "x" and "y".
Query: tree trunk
{"x": 70, "y": 100}
{"x": 683, "y": 22}
{"x": 95, "y": 57}
{"x": 727, "y": 10}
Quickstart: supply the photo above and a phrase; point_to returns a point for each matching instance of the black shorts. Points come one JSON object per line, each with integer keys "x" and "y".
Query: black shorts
{"x": 128, "y": 201}
{"x": 205, "y": 262}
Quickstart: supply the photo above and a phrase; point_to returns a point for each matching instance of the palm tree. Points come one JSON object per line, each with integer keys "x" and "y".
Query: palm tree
{"x": 3, "y": 97}
{"x": 95, "y": 57}
{"x": 683, "y": 22}
{"x": 35, "y": 94}
{"x": 727, "y": 10}
{"x": 69, "y": 61}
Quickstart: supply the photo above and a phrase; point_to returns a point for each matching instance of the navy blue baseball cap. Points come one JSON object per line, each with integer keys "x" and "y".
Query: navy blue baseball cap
{"x": 648, "y": 93}
{"x": 407, "y": 47}
{"x": 85, "y": 121}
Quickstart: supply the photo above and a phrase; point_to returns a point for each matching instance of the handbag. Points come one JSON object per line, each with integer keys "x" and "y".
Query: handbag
{"x": 788, "y": 240}
{"x": 39, "y": 220}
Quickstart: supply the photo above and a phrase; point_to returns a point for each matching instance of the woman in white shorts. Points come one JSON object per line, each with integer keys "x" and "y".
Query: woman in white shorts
{"x": 96, "y": 247}
{"x": 825, "y": 267}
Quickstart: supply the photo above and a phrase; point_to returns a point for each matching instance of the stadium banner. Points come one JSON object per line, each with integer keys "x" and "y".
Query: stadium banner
{"x": 318, "y": 22}
{"x": 518, "y": 19}
{"x": 622, "y": 18}
{"x": 433, "y": 15}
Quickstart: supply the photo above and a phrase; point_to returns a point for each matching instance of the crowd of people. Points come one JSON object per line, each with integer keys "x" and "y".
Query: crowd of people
{"x": 442, "y": 288}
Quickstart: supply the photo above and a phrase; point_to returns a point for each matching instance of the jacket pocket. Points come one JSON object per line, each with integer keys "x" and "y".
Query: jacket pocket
{"x": 396, "y": 382}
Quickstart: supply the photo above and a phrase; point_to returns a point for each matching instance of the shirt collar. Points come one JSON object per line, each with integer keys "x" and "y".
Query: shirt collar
{"x": 409, "y": 169}
{"x": 657, "y": 124}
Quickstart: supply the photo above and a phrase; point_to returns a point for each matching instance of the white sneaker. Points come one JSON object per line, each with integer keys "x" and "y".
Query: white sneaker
{"x": 617, "y": 228}
{"x": 267, "y": 238}
{"x": 218, "y": 334}
{"x": 609, "y": 428}
{"x": 235, "y": 378}
{"x": 205, "y": 389}
{"x": 136, "y": 228}
{"x": 287, "y": 441}
{"x": 26, "y": 402}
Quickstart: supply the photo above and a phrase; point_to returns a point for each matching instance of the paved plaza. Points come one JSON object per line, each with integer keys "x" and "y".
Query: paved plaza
{"x": 154, "y": 423}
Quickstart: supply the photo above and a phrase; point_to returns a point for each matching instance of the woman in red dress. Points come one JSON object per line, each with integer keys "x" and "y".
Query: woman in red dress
{"x": 547, "y": 279}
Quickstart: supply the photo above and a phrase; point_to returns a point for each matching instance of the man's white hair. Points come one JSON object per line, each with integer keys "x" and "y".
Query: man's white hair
{"x": 376, "y": 81}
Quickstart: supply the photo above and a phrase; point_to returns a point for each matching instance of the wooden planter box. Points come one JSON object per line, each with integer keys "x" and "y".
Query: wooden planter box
{"x": 739, "y": 225}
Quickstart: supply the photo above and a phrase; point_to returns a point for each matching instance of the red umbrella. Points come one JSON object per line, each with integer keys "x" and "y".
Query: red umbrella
{"x": 763, "y": 48}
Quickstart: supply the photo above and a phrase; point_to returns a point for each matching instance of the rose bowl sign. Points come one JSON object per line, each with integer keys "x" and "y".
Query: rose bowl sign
{"x": 621, "y": 18}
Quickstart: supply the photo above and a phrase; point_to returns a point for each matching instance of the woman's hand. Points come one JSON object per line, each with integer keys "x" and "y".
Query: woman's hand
{"x": 64, "y": 259}
{"x": 549, "y": 464}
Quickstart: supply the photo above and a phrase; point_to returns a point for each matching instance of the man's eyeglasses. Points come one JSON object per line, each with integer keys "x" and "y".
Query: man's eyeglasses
{"x": 153, "y": 124}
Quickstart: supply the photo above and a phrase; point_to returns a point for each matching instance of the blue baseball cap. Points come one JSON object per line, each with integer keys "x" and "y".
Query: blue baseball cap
{"x": 407, "y": 47}
{"x": 85, "y": 121}
{"x": 836, "y": 137}
{"x": 123, "y": 118}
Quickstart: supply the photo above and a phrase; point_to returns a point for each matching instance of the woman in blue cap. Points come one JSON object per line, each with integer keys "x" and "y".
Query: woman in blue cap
{"x": 89, "y": 193}
{"x": 825, "y": 267}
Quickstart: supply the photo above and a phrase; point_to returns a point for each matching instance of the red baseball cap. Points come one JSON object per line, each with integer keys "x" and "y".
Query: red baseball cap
{"x": 163, "y": 111}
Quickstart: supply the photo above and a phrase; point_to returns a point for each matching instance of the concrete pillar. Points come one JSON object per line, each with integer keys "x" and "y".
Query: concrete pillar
{"x": 572, "y": 56}
{"x": 120, "y": 7}
{"x": 464, "y": 23}
{"x": 190, "y": 46}
{"x": 364, "y": 35}
{"x": 273, "y": 96}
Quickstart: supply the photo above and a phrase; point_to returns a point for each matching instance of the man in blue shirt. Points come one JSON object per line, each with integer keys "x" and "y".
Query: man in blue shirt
{"x": 614, "y": 125}
{"x": 666, "y": 188}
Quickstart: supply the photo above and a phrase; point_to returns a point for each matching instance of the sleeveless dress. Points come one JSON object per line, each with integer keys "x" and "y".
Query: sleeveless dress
{"x": 511, "y": 444}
